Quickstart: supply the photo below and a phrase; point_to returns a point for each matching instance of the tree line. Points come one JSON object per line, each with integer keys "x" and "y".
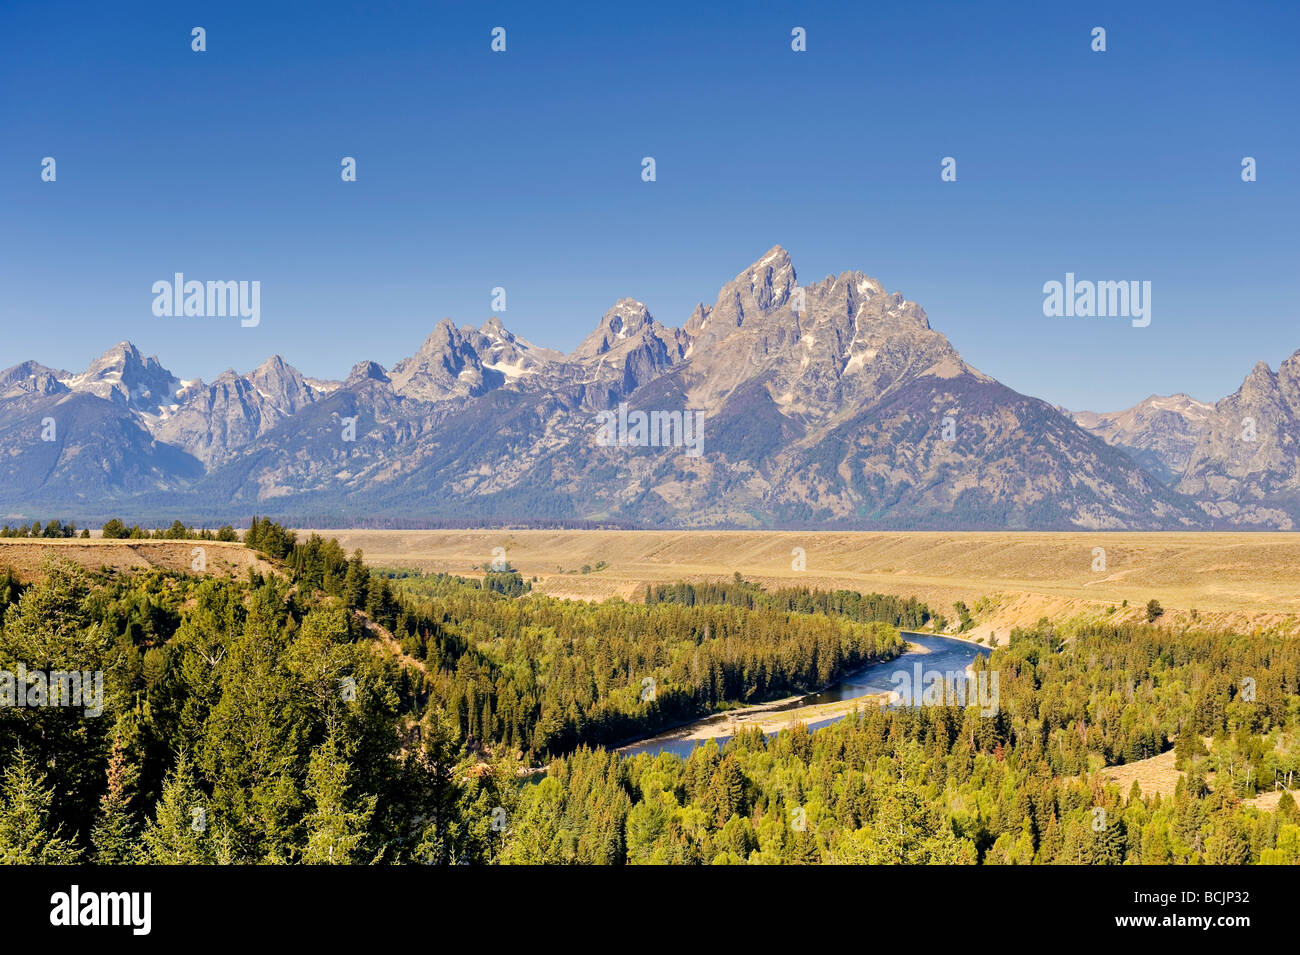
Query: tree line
{"x": 53, "y": 528}
{"x": 904, "y": 613}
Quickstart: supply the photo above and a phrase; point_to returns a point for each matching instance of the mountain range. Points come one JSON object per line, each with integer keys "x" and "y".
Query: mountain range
{"x": 833, "y": 404}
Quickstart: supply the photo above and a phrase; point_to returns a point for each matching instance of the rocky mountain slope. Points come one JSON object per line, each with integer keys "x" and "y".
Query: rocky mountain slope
{"x": 1239, "y": 458}
{"x": 1159, "y": 433}
{"x": 1246, "y": 464}
{"x": 833, "y": 404}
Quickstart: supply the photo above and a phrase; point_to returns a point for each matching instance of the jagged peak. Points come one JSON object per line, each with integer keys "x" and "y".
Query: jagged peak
{"x": 775, "y": 258}
{"x": 698, "y": 320}
{"x": 495, "y": 331}
{"x": 122, "y": 354}
{"x": 367, "y": 371}
{"x": 445, "y": 330}
{"x": 28, "y": 368}
{"x": 626, "y": 310}
{"x": 275, "y": 362}
{"x": 445, "y": 335}
{"x": 773, "y": 269}
{"x": 1261, "y": 370}
{"x": 122, "y": 375}
{"x": 764, "y": 286}
{"x": 276, "y": 368}
{"x": 124, "y": 347}
{"x": 31, "y": 377}
{"x": 626, "y": 319}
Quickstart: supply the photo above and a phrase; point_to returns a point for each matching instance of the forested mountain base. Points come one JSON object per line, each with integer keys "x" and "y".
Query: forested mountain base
{"x": 323, "y": 714}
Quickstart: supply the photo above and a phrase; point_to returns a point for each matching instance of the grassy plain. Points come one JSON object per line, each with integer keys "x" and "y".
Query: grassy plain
{"x": 1241, "y": 580}
{"x": 1008, "y": 579}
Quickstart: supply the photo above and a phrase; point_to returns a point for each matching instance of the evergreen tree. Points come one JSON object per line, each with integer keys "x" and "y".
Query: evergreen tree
{"x": 114, "y": 836}
{"x": 354, "y": 583}
{"x": 337, "y": 823}
{"x": 439, "y": 790}
{"x": 540, "y": 834}
{"x": 26, "y": 834}
{"x": 181, "y": 831}
{"x": 804, "y": 850}
{"x": 253, "y": 739}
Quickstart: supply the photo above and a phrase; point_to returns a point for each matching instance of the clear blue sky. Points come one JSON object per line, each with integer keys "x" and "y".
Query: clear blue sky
{"x": 522, "y": 170}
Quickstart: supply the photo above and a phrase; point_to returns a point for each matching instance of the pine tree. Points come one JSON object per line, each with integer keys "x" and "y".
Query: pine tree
{"x": 1188, "y": 749}
{"x": 727, "y": 790}
{"x": 438, "y": 786}
{"x": 52, "y": 627}
{"x": 179, "y": 833}
{"x": 804, "y": 850}
{"x": 1286, "y": 808}
{"x": 26, "y": 837}
{"x": 337, "y": 823}
{"x": 540, "y": 838}
{"x": 113, "y": 837}
{"x": 1287, "y": 850}
{"x": 252, "y": 750}
{"x": 354, "y": 582}
{"x": 1110, "y": 843}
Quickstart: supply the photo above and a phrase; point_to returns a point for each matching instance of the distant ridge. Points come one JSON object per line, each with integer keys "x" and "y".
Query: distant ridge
{"x": 830, "y": 405}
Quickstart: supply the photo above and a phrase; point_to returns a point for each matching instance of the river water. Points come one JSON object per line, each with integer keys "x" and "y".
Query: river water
{"x": 938, "y": 653}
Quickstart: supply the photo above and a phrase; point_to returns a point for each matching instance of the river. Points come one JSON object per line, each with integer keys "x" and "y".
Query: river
{"x": 936, "y": 653}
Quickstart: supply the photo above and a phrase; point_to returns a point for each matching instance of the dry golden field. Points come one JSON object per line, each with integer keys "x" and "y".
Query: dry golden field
{"x": 1240, "y": 579}
{"x": 26, "y": 556}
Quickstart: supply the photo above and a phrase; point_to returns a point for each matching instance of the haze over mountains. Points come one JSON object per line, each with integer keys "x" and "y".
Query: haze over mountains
{"x": 833, "y": 404}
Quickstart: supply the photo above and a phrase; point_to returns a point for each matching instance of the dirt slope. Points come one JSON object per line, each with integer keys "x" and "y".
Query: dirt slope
{"x": 26, "y": 556}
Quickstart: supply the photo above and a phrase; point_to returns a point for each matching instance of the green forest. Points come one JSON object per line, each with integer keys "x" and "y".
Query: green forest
{"x": 326, "y": 713}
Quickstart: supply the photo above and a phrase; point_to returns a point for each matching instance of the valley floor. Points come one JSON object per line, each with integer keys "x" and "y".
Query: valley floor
{"x": 1238, "y": 580}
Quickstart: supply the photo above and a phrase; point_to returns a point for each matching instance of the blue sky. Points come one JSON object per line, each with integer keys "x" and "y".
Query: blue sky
{"x": 522, "y": 170}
